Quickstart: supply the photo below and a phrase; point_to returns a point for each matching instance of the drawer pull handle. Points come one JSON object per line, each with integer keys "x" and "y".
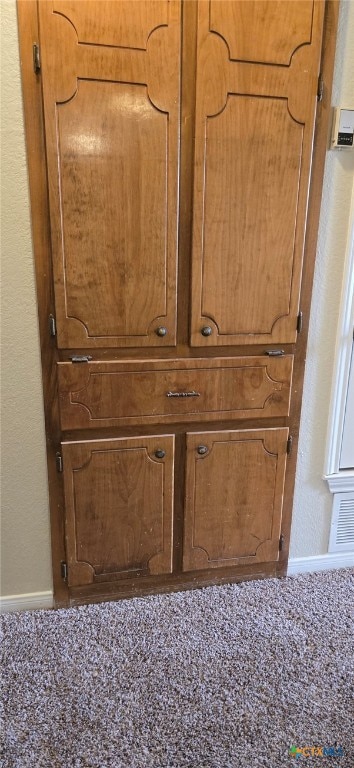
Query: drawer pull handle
{"x": 161, "y": 330}
{"x": 183, "y": 394}
{"x": 160, "y": 453}
{"x": 206, "y": 330}
{"x": 202, "y": 450}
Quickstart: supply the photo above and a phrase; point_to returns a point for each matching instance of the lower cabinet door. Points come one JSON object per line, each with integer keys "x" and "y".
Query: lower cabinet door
{"x": 119, "y": 508}
{"x": 234, "y": 497}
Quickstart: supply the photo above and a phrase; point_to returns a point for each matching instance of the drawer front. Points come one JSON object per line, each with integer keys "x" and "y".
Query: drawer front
{"x": 104, "y": 394}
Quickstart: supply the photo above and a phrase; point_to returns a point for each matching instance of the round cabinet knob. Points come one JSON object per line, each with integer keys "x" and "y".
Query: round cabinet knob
{"x": 202, "y": 450}
{"x": 206, "y": 331}
{"x": 161, "y": 331}
{"x": 160, "y": 453}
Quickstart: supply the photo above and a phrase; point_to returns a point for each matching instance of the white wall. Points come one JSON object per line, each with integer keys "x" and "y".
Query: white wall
{"x": 25, "y": 526}
{"x": 25, "y": 561}
{"x": 313, "y": 501}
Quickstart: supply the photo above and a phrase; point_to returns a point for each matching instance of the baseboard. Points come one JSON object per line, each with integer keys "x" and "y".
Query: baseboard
{"x": 36, "y": 600}
{"x": 29, "y": 602}
{"x": 320, "y": 562}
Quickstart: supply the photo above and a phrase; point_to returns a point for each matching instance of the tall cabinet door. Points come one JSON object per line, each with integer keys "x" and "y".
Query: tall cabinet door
{"x": 256, "y": 94}
{"x": 110, "y": 74}
{"x": 234, "y": 497}
{"x": 119, "y": 508}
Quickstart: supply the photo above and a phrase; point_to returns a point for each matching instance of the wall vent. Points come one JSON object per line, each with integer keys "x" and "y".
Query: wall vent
{"x": 342, "y": 528}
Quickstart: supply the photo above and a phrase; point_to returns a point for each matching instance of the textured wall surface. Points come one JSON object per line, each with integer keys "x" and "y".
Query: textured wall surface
{"x": 25, "y": 523}
{"x": 313, "y": 501}
{"x": 25, "y": 561}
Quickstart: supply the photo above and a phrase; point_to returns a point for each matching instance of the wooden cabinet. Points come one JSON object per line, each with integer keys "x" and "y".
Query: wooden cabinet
{"x": 234, "y": 497}
{"x": 119, "y": 507}
{"x": 175, "y": 152}
{"x": 111, "y": 85}
{"x": 105, "y": 394}
{"x": 256, "y": 97}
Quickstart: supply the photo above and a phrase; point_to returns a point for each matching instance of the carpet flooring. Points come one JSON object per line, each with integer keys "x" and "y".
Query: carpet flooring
{"x": 222, "y": 677}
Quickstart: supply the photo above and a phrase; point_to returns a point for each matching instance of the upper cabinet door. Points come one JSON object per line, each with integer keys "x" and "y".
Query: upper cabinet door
{"x": 256, "y": 94}
{"x": 111, "y": 73}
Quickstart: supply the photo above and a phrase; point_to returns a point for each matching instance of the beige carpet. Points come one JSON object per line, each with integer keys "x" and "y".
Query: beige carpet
{"x": 224, "y": 677}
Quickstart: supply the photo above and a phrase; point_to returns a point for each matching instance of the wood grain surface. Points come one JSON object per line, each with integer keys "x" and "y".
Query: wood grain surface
{"x": 112, "y": 126}
{"x": 151, "y": 128}
{"x": 119, "y": 507}
{"x": 100, "y": 394}
{"x": 253, "y": 144}
{"x": 234, "y": 497}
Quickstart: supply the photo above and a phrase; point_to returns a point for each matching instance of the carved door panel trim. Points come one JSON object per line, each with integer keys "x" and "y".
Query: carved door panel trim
{"x": 253, "y": 145}
{"x": 110, "y": 393}
{"x": 112, "y": 141}
{"x": 234, "y": 497}
{"x": 119, "y": 508}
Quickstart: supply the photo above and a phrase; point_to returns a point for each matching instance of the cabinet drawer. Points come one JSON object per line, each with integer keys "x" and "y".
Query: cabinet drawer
{"x": 103, "y": 394}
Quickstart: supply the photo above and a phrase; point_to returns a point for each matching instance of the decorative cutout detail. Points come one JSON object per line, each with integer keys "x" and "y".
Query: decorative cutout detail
{"x": 207, "y": 319}
{"x": 119, "y": 510}
{"x": 80, "y": 572}
{"x": 64, "y": 16}
{"x": 292, "y": 22}
{"x": 86, "y": 462}
{"x": 104, "y": 23}
{"x": 299, "y": 122}
{"x": 246, "y": 527}
{"x": 80, "y": 404}
{"x": 112, "y": 394}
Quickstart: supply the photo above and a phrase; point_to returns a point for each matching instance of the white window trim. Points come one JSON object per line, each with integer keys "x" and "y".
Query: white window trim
{"x": 341, "y": 480}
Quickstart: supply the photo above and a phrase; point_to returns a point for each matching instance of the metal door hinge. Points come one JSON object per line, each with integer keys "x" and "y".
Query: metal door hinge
{"x": 299, "y": 322}
{"x": 80, "y": 358}
{"x": 274, "y": 352}
{"x": 289, "y": 444}
{"x": 52, "y": 326}
{"x": 59, "y": 461}
{"x": 281, "y": 542}
{"x": 320, "y": 87}
{"x": 36, "y": 59}
{"x": 64, "y": 570}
